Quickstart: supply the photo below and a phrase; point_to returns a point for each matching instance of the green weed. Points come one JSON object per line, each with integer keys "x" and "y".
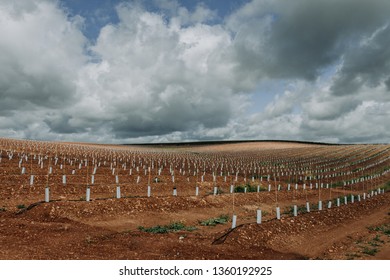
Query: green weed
{"x": 385, "y": 228}
{"x": 377, "y": 239}
{"x": 370, "y": 251}
{"x": 300, "y": 209}
{"x": 176, "y": 226}
{"x": 223, "y": 219}
{"x": 248, "y": 188}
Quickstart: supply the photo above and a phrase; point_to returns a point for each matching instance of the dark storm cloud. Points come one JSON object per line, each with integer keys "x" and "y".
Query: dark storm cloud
{"x": 387, "y": 83}
{"x": 60, "y": 123}
{"x": 179, "y": 117}
{"x": 367, "y": 64}
{"x": 296, "y": 39}
{"x": 28, "y": 91}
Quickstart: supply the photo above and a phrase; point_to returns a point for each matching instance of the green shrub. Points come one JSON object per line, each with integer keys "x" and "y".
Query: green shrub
{"x": 300, "y": 209}
{"x": 385, "y": 228}
{"x": 176, "y": 226}
{"x": 386, "y": 186}
{"x": 156, "y": 229}
{"x": 21, "y": 206}
{"x": 223, "y": 219}
{"x": 248, "y": 187}
{"x": 377, "y": 239}
{"x": 239, "y": 189}
{"x": 370, "y": 251}
{"x": 337, "y": 184}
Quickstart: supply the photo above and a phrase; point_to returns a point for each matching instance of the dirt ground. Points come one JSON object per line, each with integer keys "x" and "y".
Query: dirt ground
{"x": 68, "y": 227}
{"x": 66, "y": 230}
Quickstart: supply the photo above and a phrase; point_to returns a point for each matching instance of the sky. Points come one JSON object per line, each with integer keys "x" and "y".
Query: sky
{"x": 115, "y": 71}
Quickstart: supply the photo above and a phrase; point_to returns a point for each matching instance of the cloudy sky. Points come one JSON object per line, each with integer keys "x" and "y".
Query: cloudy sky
{"x": 165, "y": 71}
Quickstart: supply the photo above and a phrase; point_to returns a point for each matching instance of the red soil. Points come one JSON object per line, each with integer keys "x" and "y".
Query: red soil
{"x": 68, "y": 227}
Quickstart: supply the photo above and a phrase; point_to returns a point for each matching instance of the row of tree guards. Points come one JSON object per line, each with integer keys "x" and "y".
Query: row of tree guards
{"x": 289, "y": 167}
{"x": 352, "y": 171}
{"x": 338, "y": 201}
{"x": 319, "y": 208}
{"x": 216, "y": 191}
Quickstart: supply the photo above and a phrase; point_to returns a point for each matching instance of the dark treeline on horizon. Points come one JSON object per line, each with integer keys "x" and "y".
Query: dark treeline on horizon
{"x": 219, "y": 142}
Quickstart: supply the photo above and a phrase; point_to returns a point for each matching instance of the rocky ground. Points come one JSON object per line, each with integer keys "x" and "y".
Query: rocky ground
{"x": 109, "y": 229}
{"x": 186, "y": 226}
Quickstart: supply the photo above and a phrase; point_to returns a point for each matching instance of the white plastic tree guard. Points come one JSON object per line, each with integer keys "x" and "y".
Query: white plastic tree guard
{"x": 307, "y": 206}
{"x": 88, "y": 194}
{"x": 278, "y": 213}
{"x": 47, "y": 194}
{"x": 258, "y": 216}
{"x": 118, "y": 192}
{"x": 234, "y": 221}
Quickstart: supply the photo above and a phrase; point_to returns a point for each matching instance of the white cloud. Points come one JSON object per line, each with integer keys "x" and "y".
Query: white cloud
{"x": 177, "y": 75}
{"x": 41, "y": 50}
{"x": 156, "y": 77}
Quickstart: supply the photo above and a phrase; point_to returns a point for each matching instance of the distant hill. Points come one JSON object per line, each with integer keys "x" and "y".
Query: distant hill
{"x": 207, "y": 143}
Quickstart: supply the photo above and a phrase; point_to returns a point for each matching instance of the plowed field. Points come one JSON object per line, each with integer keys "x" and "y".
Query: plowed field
{"x": 108, "y": 226}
